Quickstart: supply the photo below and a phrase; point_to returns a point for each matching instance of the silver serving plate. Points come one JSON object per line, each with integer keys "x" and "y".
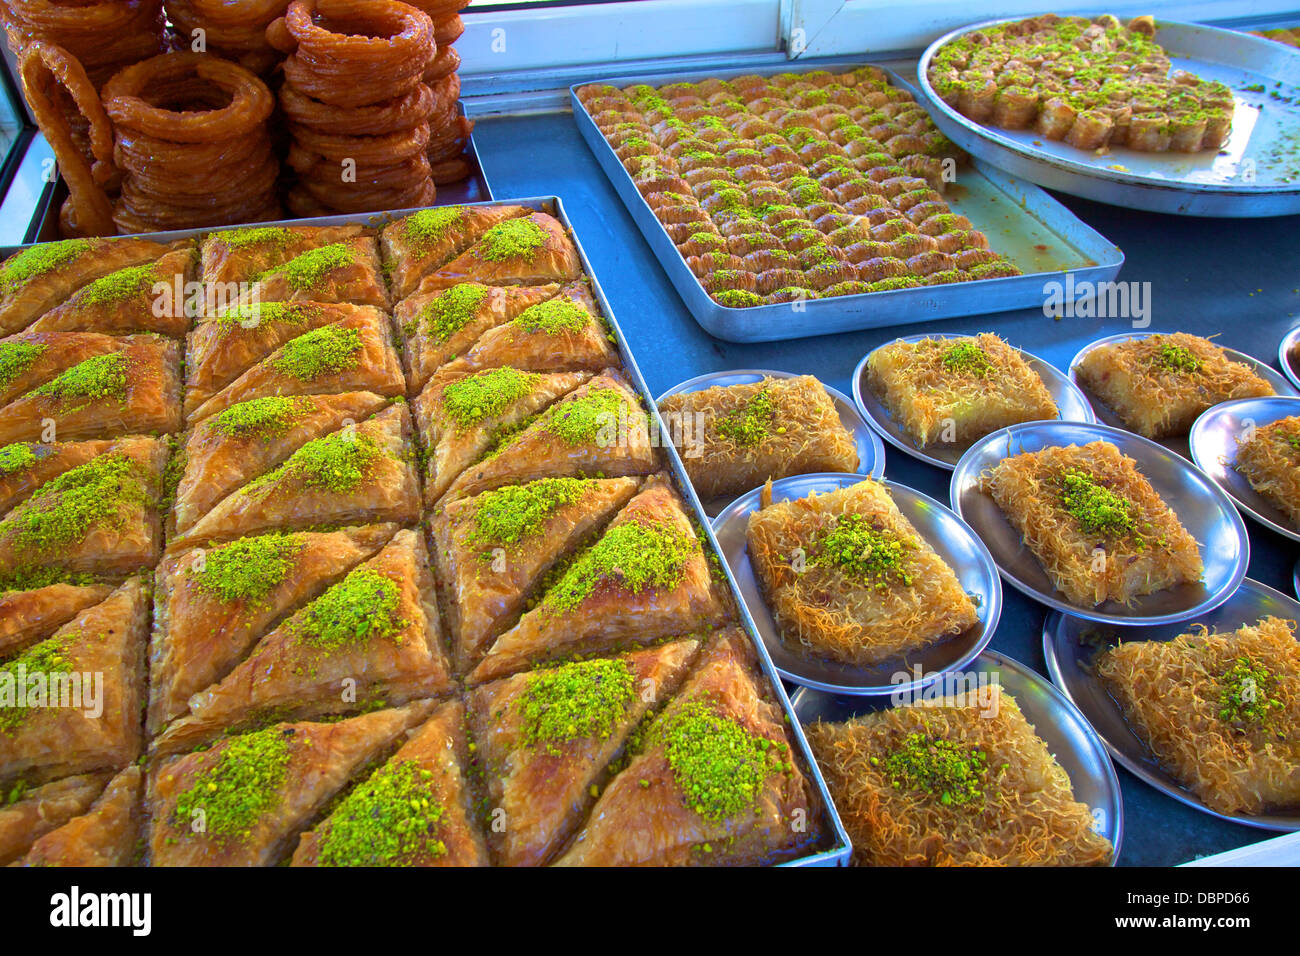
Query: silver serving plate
{"x": 1214, "y": 440}
{"x": 1043, "y": 238}
{"x": 1175, "y": 443}
{"x": 1295, "y": 579}
{"x": 1253, "y": 175}
{"x": 1070, "y": 402}
{"x": 1284, "y": 359}
{"x": 1071, "y": 740}
{"x": 1070, "y": 645}
{"x": 1202, "y": 507}
{"x": 871, "y": 451}
{"x": 960, "y": 549}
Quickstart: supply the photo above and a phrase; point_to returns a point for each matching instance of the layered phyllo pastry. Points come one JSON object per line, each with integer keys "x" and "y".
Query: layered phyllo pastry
{"x": 735, "y": 437}
{"x": 345, "y": 271}
{"x": 1092, "y": 83}
{"x": 1220, "y": 711}
{"x": 955, "y": 390}
{"x": 520, "y": 250}
{"x": 849, "y": 579}
{"x": 30, "y": 812}
{"x": 645, "y": 578}
{"x": 1093, "y": 521}
{"x": 1159, "y": 384}
{"x": 424, "y": 241}
{"x": 1270, "y": 460}
{"x": 107, "y": 834}
{"x": 954, "y": 783}
{"x": 150, "y": 297}
{"x": 711, "y": 780}
{"x": 239, "y": 255}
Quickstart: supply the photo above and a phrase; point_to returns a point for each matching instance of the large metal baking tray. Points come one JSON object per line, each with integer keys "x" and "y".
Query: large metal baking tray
{"x": 835, "y": 842}
{"x": 1036, "y": 232}
{"x": 1265, "y": 141}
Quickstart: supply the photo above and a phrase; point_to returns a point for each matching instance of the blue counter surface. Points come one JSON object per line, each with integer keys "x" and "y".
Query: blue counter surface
{"x": 1237, "y": 279}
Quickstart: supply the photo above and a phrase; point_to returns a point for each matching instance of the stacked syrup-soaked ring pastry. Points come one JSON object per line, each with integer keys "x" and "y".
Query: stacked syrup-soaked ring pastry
{"x": 796, "y": 186}
{"x": 103, "y": 35}
{"x": 1090, "y": 83}
{"x": 413, "y": 568}
{"x": 448, "y": 131}
{"x": 234, "y": 31}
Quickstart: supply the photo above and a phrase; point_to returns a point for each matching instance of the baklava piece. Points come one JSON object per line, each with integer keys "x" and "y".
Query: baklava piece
{"x": 344, "y": 271}
{"x": 424, "y": 241}
{"x": 735, "y": 437}
{"x": 1159, "y": 384}
{"x": 647, "y": 577}
{"x": 954, "y": 783}
{"x": 243, "y": 801}
{"x": 71, "y": 703}
{"x": 1220, "y": 711}
{"x": 849, "y": 579}
{"x": 413, "y": 811}
{"x": 30, "y": 813}
{"x": 712, "y": 781}
{"x": 231, "y": 256}
{"x": 30, "y": 359}
{"x": 32, "y": 609}
{"x": 1099, "y": 529}
{"x": 1270, "y": 460}
{"x": 153, "y": 297}
{"x": 955, "y": 390}
{"x": 107, "y": 835}
{"x": 546, "y": 740}
{"x": 526, "y": 250}
{"x": 133, "y": 388}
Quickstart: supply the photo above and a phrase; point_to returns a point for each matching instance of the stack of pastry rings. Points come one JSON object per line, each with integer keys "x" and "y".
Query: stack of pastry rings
{"x": 448, "y": 130}
{"x": 102, "y": 35}
{"x": 236, "y": 31}
{"x": 357, "y": 104}
{"x": 192, "y": 142}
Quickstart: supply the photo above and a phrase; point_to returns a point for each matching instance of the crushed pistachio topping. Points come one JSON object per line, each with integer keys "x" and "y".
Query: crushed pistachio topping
{"x": 508, "y": 515}
{"x": 719, "y": 765}
{"x": 875, "y": 555}
{"x": 575, "y": 701}
{"x": 240, "y": 785}
{"x": 1246, "y": 693}
{"x": 340, "y": 462}
{"x": 487, "y": 394}
{"x": 42, "y": 576}
{"x": 16, "y": 457}
{"x": 553, "y": 317}
{"x": 267, "y": 417}
{"x": 1178, "y": 358}
{"x": 390, "y": 820}
{"x": 951, "y": 771}
{"x": 307, "y": 270}
{"x": 17, "y": 357}
{"x": 256, "y": 236}
{"x": 325, "y": 351}
{"x": 514, "y": 238}
{"x": 119, "y": 285}
{"x": 581, "y": 420}
{"x": 38, "y": 260}
{"x": 247, "y": 569}
{"x": 967, "y": 358}
{"x": 362, "y": 607}
{"x": 632, "y": 556}
{"x": 63, "y": 510}
{"x": 749, "y": 424}
{"x": 96, "y": 379}
{"x": 260, "y": 313}
{"x": 428, "y": 226}
{"x": 48, "y": 657}
{"x": 450, "y": 311}
{"x": 1098, "y": 510}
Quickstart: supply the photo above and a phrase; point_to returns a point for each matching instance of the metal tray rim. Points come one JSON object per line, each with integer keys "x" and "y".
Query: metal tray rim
{"x": 1284, "y": 349}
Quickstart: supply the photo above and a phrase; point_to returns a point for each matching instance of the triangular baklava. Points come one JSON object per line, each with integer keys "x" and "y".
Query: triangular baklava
{"x": 423, "y": 241}
{"x": 344, "y": 271}
{"x": 236, "y": 255}
{"x": 28, "y": 814}
{"x": 528, "y": 250}
{"x": 107, "y": 835}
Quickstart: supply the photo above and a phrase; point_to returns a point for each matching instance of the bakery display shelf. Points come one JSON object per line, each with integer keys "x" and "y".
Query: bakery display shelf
{"x": 1035, "y": 232}
{"x": 1256, "y": 174}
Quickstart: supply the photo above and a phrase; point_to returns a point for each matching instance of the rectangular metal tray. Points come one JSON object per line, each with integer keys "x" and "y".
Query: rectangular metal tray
{"x": 1043, "y": 238}
{"x": 835, "y": 847}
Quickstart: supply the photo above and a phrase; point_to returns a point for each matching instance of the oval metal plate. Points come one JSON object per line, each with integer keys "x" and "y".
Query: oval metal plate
{"x": 1214, "y": 440}
{"x": 943, "y": 530}
{"x": 1074, "y": 744}
{"x": 1286, "y": 351}
{"x": 1070, "y": 645}
{"x": 1070, "y": 402}
{"x": 1202, "y": 507}
{"x": 871, "y": 450}
{"x": 1175, "y": 443}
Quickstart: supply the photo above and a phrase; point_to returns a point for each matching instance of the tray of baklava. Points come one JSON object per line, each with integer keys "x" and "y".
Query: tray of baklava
{"x": 798, "y": 200}
{"x": 352, "y": 542}
{"x": 1143, "y": 112}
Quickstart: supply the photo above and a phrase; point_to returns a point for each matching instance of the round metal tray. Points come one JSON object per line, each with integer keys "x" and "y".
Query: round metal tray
{"x": 1251, "y": 176}
{"x": 1074, "y": 744}
{"x": 1070, "y": 402}
{"x": 1070, "y": 645}
{"x": 954, "y": 542}
{"x": 1175, "y": 443}
{"x": 1202, "y": 507}
{"x": 1284, "y": 359}
{"x": 871, "y": 450}
{"x": 1214, "y": 440}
